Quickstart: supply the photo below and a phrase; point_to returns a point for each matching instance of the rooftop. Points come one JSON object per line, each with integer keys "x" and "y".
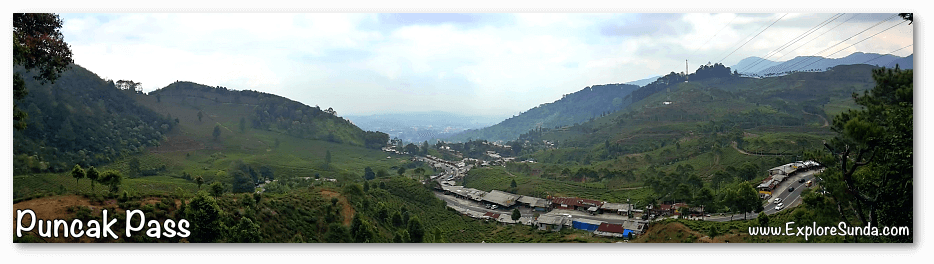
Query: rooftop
{"x": 615, "y": 206}
{"x": 611, "y": 228}
{"x": 501, "y": 198}
{"x": 552, "y": 219}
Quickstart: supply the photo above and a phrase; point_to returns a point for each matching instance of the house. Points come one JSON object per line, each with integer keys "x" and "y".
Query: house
{"x": 500, "y": 198}
{"x": 611, "y": 230}
{"x": 615, "y": 208}
{"x": 574, "y": 203}
{"x": 585, "y": 224}
{"x": 636, "y": 227}
{"x": 535, "y": 203}
{"x": 553, "y": 222}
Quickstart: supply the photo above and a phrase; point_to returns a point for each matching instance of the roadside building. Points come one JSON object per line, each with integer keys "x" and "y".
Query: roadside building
{"x": 500, "y": 198}
{"x": 615, "y": 208}
{"x": 574, "y": 203}
{"x": 552, "y": 222}
{"x": 534, "y": 203}
{"x": 586, "y": 224}
{"x": 611, "y": 230}
{"x": 490, "y": 216}
{"x": 636, "y": 227}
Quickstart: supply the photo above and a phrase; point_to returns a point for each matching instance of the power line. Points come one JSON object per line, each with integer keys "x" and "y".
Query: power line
{"x": 854, "y": 44}
{"x": 760, "y": 32}
{"x": 834, "y": 45}
{"x": 809, "y": 41}
{"x": 714, "y": 35}
{"x": 890, "y": 53}
{"x": 795, "y": 40}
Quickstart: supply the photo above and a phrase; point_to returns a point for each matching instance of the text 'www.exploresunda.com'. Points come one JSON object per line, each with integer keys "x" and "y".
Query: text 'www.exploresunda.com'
{"x": 840, "y": 230}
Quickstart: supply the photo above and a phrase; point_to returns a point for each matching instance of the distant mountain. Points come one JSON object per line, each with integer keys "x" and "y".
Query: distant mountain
{"x": 645, "y": 81}
{"x": 753, "y": 64}
{"x": 818, "y": 63}
{"x": 903, "y": 63}
{"x": 422, "y": 126}
{"x": 576, "y": 107}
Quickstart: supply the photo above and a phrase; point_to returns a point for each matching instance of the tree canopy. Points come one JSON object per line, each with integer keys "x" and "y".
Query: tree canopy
{"x": 37, "y": 45}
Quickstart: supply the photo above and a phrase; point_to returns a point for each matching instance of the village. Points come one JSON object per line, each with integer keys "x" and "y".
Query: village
{"x": 601, "y": 218}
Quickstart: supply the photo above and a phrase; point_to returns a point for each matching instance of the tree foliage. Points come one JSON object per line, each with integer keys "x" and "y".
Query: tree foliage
{"x": 871, "y": 174}
{"x": 37, "y": 45}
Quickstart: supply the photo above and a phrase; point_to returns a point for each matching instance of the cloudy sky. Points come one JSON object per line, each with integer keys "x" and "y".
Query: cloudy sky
{"x": 477, "y": 64}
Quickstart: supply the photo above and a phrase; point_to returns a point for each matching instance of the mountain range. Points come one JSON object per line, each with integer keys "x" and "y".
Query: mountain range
{"x": 762, "y": 67}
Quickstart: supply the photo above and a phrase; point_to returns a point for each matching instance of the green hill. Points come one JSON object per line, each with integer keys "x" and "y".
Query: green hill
{"x": 718, "y": 130}
{"x": 82, "y": 119}
{"x": 573, "y": 108}
{"x": 270, "y": 112}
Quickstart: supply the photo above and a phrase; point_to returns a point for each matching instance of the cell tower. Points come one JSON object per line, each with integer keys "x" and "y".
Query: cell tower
{"x": 685, "y": 70}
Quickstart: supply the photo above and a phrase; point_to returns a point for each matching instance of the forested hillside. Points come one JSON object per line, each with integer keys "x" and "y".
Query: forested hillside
{"x": 276, "y": 113}
{"x": 580, "y": 106}
{"x": 81, "y": 119}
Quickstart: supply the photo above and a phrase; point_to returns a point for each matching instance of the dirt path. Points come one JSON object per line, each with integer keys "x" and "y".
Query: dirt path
{"x": 733, "y": 143}
{"x": 821, "y": 117}
{"x": 347, "y": 211}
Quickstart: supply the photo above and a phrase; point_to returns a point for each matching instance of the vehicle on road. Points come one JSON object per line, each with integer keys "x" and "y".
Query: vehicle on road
{"x": 801, "y": 180}
{"x": 778, "y": 200}
{"x": 791, "y": 189}
{"x": 779, "y": 207}
{"x": 809, "y": 183}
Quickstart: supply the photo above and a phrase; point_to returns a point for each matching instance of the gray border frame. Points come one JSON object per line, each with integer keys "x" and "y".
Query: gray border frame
{"x": 545, "y": 253}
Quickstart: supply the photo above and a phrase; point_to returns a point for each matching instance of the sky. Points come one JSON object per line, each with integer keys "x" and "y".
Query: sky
{"x": 493, "y": 64}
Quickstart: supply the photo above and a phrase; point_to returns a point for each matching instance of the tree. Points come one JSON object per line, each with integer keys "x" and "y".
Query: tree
{"x": 361, "y": 231}
{"x": 77, "y": 172}
{"x": 199, "y": 180}
{"x": 217, "y": 132}
{"x": 37, "y": 45}
{"x": 401, "y": 171}
{"x": 704, "y": 197}
{"x": 763, "y": 219}
{"x": 411, "y": 149}
{"x": 242, "y": 182}
{"x": 871, "y": 172}
{"x": 134, "y": 167}
{"x": 396, "y": 219}
{"x": 327, "y": 159}
{"x": 513, "y": 184}
{"x": 368, "y": 173}
{"x": 205, "y": 217}
{"x": 516, "y": 214}
{"x": 366, "y": 186}
{"x": 92, "y": 175}
{"x": 907, "y": 16}
{"x": 381, "y": 173}
{"x": 217, "y": 189}
{"x": 200, "y": 115}
{"x": 246, "y": 231}
{"x": 416, "y": 230}
{"x": 112, "y": 179}
{"x": 336, "y": 233}
{"x": 242, "y": 124}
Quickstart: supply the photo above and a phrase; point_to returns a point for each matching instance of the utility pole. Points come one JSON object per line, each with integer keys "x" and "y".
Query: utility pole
{"x": 685, "y": 70}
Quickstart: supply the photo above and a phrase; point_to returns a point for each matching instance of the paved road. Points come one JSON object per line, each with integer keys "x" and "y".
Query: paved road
{"x": 789, "y": 199}
{"x": 792, "y": 198}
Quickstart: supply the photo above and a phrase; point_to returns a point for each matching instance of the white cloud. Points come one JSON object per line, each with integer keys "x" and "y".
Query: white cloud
{"x": 495, "y": 65}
